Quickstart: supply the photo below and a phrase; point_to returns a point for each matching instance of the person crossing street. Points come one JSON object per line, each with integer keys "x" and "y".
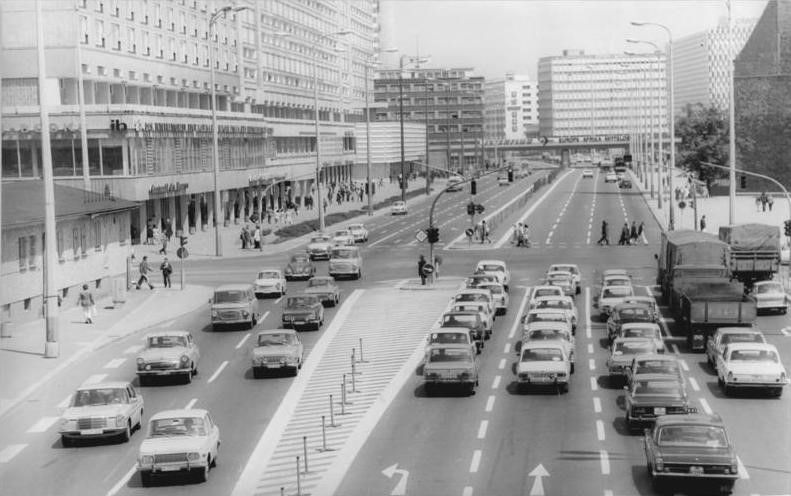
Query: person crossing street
{"x": 605, "y": 239}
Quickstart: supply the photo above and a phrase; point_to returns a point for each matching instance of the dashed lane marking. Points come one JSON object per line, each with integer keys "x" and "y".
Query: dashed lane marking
{"x": 588, "y": 309}
{"x": 190, "y": 404}
{"x": 694, "y": 384}
{"x": 705, "y": 405}
{"x": 507, "y": 348}
{"x": 743, "y": 474}
{"x": 133, "y": 349}
{"x": 502, "y": 363}
{"x": 475, "y": 462}
{"x": 467, "y": 491}
{"x": 482, "y": 429}
{"x": 489, "y": 404}
{"x": 512, "y": 331}
{"x": 241, "y": 341}
{"x": 42, "y": 425}
{"x": 597, "y": 404}
{"x": 121, "y": 483}
{"x": 604, "y": 460}
{"x": 93, "y": 379}
{"x": 65, "y": 403}
{"x": 496, "y": 382}
{"x": 10, "y": 451}
{"x": 600, "y": 430}
{"x": 114, "y": 363}
{"x": 592, "y": 364}
{"x": 277, "y": 301}
{"x": 217, "y": 372}
{"x": 594, "y": 384}
{"x": 684, "y": 365}
{"x": 675, "y": 348}
{"x": 590, "y": 348}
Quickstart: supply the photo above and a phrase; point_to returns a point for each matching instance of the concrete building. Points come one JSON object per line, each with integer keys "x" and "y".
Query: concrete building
{"x": 594, "y": 96}
{"x": 448, "y": 101}
{"x": 510, "y": 107}
{"x": 386, "y": 149}
{"x": 147, "y": 95}
{"x": 700, "y": 64}
{"x": 93, "y": 243}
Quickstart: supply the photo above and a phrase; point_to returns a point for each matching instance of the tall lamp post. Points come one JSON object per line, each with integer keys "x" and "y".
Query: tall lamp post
{"x": 401, "y": 59}
{"x": 732, "y": 120}
{"x": 670, "y": 112}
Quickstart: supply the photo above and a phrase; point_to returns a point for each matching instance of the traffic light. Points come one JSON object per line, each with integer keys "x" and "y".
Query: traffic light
{"x": 471, "y": 208}
{"x": 787, "y": 227}
{"x": 183, "y": 240}
{"x": 743, "y": 181}
{"x": 510, "y": 175}
{"x": 433, "y": 234}
{"x": 473, "y": 187}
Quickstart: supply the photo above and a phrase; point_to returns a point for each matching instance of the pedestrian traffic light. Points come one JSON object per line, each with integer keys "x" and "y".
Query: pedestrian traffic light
{"x": 510, "y": 175}
{"x": 787, "y": 229}
{"x": 183, "y": 240}
{"x": 433, "y": 234}
{"x": 743, "y": 181}
{"x": 471, "y": 208}
{"x": 473, "y": 187}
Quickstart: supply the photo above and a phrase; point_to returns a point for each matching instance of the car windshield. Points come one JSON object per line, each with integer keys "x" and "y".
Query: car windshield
{"x": 468, "y": 308}
{"x": 564, "y": 268}
{"x": 545, "y": 317}
{"x": 657, "y": 367}
{"x": 97, "y": 397}
{"x": 616, "y": 291}
{"x": 269, "y": 274}
{"x": 747, "y": 337}
{"x": 237, "y": 296}
{"x": 449, "y": 338}
{"x": 542, "y": 355}
{"x": 769, "y": 288}
{"x": 565, "y": 305}
{"x": 491, "y": 268}
{"x": 449, "y": 355}
{"x": 470, "y": 297}
{"x": 459, "y": 320}
{"x": 344, "y": 253}
{"x": 494, "y": 288}
{"x": 356, "y": 227}
{"x": 166, "y": 341}
{"x": 558, "y": 278}
{"x": 657, "y": 388}
{"x": 178, "y": 426}
{"x": 709, "y": 436}
{"x": 316, "y": 282}
{"x": 632, "y": 347}
{"x": 640, "y": 332}
{"x": 300, "y": 301}
{"x": 279, "y": 339}
{"x": 319, "y": 239}
{"x": 299, "y": 259}
{"x": 546, "y": 292}
{"x": 630, "y": 314}
{"x": 617, "y": 281}
{"x": 544, "y": 334}
{"x": 342, "y": 233}
{"x": 767, "y": 356}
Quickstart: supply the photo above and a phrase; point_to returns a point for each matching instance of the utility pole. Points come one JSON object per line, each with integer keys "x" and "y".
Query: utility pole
{"x": 731, "y": 121}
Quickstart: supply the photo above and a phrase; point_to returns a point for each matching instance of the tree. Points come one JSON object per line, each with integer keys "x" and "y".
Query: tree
{"x": 704, "y": 138}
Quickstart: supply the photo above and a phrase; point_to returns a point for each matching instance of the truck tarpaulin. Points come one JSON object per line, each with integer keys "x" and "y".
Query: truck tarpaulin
{"x": 751, "y": 237}
{"x": 693, "y": 248}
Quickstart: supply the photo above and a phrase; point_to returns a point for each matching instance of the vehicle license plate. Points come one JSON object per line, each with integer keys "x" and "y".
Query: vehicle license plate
{"x": 695, "y": 469}
{"x": 170, "y": 468}
{"x": 89, "y": 432}
{"x": 298, "y": 322}
{"x": 273, "y": 365}
{"x": 540, "y": 379}
{"x": 659, "y": 411}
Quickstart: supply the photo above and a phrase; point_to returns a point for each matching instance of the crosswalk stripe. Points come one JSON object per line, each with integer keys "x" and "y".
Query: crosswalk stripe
{"x": 10, "y": 452}
{"x": 42, "y": 425}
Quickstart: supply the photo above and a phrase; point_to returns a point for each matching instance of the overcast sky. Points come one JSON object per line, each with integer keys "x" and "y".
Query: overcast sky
{"x": 496, "y": 37}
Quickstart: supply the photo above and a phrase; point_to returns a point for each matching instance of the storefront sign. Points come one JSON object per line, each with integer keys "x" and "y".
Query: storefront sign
{"x": 255, "y": 181}
{"x": 166, "y": 190}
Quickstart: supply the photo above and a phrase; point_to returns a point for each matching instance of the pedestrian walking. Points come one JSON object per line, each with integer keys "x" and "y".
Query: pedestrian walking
{"x": 624, "y": 239}
{"x": 703, "y": 223}
{"x": 771, "y": 202}
{"x": 525, "y": 236}
{"x": 168, "y": 230}
{"x": 166, "y": 269}
{"x": 85, "y": 300}
{"x": 164, "y": 249}
{"x": 485, "y": 232}
{"x": 437, "y": 263}
{"x": 421, "y": 262}
{"x": 605, "y": 239}
{"x": 257, "y": 237}
{"x": 517, "y": 234}
{"x": 244, "y": 236}
{"x": 758, "y": 203}
{"x": 633, "y": 233}
{"x": 144, "y": 269}
{"x": 640, "y": 229}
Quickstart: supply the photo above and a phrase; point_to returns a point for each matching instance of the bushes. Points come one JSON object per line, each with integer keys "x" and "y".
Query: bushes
{"x": 309, "y": 226}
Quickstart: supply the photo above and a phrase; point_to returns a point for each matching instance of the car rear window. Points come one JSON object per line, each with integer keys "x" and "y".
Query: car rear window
{"x": 542, "y": 355}
{"x": 230, "y": 296}
{"x": 449, "y": 355}
{"x": 709, "y": 436}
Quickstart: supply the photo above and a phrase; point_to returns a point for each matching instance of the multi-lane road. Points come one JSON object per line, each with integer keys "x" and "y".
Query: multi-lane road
{"x": 496, "y": 442}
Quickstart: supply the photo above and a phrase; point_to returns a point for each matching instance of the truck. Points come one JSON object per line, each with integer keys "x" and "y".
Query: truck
{"x": 754, "y": 251}
{"x": 687, "y": 254}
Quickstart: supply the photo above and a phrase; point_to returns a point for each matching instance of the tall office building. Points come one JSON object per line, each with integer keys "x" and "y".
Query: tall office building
{"x": 592, "y": 96}
{"x": 510, "y": 107}
{"x": 700, "y": 64}
{"x": 146, "y": 66}
{"x": 449, "y": 101}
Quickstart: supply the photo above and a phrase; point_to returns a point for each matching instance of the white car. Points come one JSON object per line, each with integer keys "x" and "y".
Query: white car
{"x": 454, "y": 183}
{"x": 487, "y": 317}
{"x": 547, "y": 315}
{"x": 398, "y": 208}
{"x": 475, "y": 295}
{"x": 451, "y": 335}
{"x": 573, "y": 269}
{"x": 497, "y": 268}
{"x": 179, "y": 441}
{"x": 611, "y": 296}
{"x": 769, "y": 295}
{"x": 358, "y": 232}
{"x": 544, "y": 363}
{"x": 562, "y": 279}
{"x": 727, "y": 335}
{"x": 562, "y": 303}
{"x": 544, "y": 290}
{"x": 501, "y": 298}
{"x": 543, "y": 331}
{"x": 616, "y": 280}
{"x": 611, "y": 177}
{"x": 275, "y": 350}
{"x": 342, "y": 237}
{"x": 270, "y": 282}
{"x": 643, "y": 330}
{"x": 502, "y": 181}
{"x": 168, "y": 353}
{"x": 751, "y": 365}
{"x": 320, "y": 246}
{"x": 101, "y": 410}
{"x": 587, "y": 173}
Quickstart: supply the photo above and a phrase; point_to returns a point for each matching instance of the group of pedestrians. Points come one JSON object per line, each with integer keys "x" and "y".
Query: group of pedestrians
{"x": 145, "y": 269}
{"x": 762, "y": 201}
{"x": 629, "y": 235}
{"x": 251, "y": 238}
{"x": 520, "y": 235}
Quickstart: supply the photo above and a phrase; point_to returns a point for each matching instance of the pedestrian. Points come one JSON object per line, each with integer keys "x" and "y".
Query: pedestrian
{"x": 758, "y": 203}
{"x": 243, "y": 236}
{"x": 164, "y": 249}
{"x": 771, "y": 202}
{"x": 269, "y": 216}
{"x": 144, "y": 269}
{"x": 485, "y": 232}
{"x": 624, "y": 239}
{"x": 166, "y": 269}
{"x": 633, "y": 233}
{"x": 605, "y": 239}
{"x": 150, "y": 232}
{"x": 763, "y": 201}
{"x": 437, "y": 263}
{"x": 640, "y": 229}
{"x": 703, "y": 223}
{"x": 420, "y": 264}
{"x": 517, "y": 234}
{"x": 85, "y": 301}
{"x": 257, "y": 237}
{"x": 168, "y": 230}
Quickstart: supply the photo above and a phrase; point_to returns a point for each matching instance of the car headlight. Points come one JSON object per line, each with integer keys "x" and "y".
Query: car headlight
{"x": 146, "y": 460}
{"x": 192, "y": 456}
{"x": 185, "y": 359}
{"x": 245, "y": 314}
{"x": 734, "y": 467}
{"x": 214, "y": 313}
{"x": 148, "y": 367}
{"x": 659, "y": 464}
{"x": 141, "y": 361}
{"x": 120, "y": 420}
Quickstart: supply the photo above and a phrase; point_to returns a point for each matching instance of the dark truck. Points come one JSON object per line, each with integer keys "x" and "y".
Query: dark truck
{"x": 754, "y": 251}
{"x": 695, "y": 277}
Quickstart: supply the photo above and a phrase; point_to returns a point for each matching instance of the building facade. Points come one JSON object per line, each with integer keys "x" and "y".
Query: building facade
{"x": 448, "y": 101}
{"x": 593, "y": 96}
{"x": 510, "y": 107}
{"x": 147, "y": 66}
{"x": 386, "y": 149}
{"x": 700, "y": 64}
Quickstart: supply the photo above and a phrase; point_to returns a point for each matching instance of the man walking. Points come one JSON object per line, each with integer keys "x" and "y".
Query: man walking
{"x": 166, "y": 269}
{"x": 703, "y": 223}
{"x": 605, "y": 239}
{"x": 485, "y": 232}
{"x": 145, "y": 269}
{"x": 624, "y": 240}
{"x": 420, "y": 264}
{"x": 85, "y": 301}
{"x": 633, "y": 233}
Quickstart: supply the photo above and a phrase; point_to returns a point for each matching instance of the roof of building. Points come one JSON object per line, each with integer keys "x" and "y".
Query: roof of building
{"x": 23, "y": 203}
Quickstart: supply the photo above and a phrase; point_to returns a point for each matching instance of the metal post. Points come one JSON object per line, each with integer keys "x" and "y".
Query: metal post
{"x": 86, "y": 173}
{"x": 299, "y": 485}
{"x": 323, "y": 434}
{"x": 215, "y": 144}
{"x": 50, "y": 262}
{"x": 671, "y": 109}
{"x": 731, "y": 120}
{"x": 368, "y": 146}
{"x": 361, "y": 352}
{"x": 332, "y": 413}
{"x": 305, "y": 451}
{"x": 425, "y": 113}
{"x": 661, "y": 164}
{"x": 343, "y": 396}
{"x": 319, "y": 198}
{"x": 401, "y": 120}
{"x": 181, "y": 269}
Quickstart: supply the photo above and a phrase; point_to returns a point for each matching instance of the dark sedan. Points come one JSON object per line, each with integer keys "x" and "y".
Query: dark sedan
{"x": 299, "y": 267}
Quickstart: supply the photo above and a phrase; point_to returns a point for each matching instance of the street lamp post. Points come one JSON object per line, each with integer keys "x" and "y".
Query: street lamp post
{"x": 401, "y": 59}
{"x": 732, "y": 119}
{"x": 593, "y": 105}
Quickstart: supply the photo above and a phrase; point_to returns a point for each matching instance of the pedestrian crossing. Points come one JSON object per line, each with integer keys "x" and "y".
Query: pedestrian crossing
{"x": 390, "y": 334}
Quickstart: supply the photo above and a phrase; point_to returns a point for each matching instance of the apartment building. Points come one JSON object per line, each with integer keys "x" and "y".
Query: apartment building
{"x": 510, "y": 107}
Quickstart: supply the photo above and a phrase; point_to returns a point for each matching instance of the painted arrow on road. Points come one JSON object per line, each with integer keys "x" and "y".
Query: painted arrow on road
{"x": 400, "y": 489}
{"x": 538, "y": 484}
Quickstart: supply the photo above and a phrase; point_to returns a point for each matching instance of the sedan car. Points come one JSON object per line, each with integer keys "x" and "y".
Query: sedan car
{"x": 623, "y": 351}
{"x": 358, "y": 232}
{"x": 563, "y": 303}
{"x": 398, "y": 208}
{"x": 276, "y": 350}
{"x": 269, "y": 282}
{"x": 342, "y": 237}
{"x": 652, "y": 395}
{"x": 751, "y": 366}
{"x": 303, "y": 312}
{"x": 319, "y": 247}
{"x": 471, "y": 320}
{"x": 452, "y": 335}
{"x": 649, "y": 302}
{"x": 497, "y": 268}
{"x": 642, "y": 330}
{"x": 690, "y": 447}
{"x": 586, "y": 173}
{"x": 563, "y": 280}
{"x": 454, "y": 184}
{"x": 502, "y": 181}
{"x": 727, "y": 335}
{"x": 549, "y": 331}
{"x": 610, "y": 177}
{"x": 572, "y": 269}
{"x": 346, "y": 261}
{"x": 770, "y": 296}
{"x": 450, "y": 365}
{"x": 179, "y": 442}
{"x": 487, "y": 316}
{"x": 299, "y": 267}
{"x": 168, "y": 353}
{"x": 501, "y": 298}
{"x": 626, "y": 313}
{"x": 544, "y": 363}
{"x": 546, "y": 315}
{"x": 325, "y": 288}
{"x": 101, "y": 410}
{"x": 544, "y": 290}
{"x": 652, "y": 363}
{"x": 611, "y": 296}
{"x": 625, "y": 183}
{"x": 476, "y": 280}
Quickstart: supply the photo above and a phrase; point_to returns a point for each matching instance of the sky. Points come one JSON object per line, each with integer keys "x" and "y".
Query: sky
{"x": 496, "y": 36}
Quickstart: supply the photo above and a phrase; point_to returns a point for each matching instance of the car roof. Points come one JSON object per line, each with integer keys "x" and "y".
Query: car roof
{"x": 612, "y": 272}
{"x": 554, "y": 298}
{"x": 181, "y": 412}
{"x": 544, "y": 343}
{"x": 170, "y": 332}
{"x": 737, "y": 330}
{"x": 356, "y": 224}
{"x": 632, "y": 325}
{"x": 462, "y": 312}
{"x": 235, "y": 286}
{"x": 547, "y": 286}
{"x": 759, "y": 283}
{"x": 451, "y": 329}
{"x": 559, "y": 326}
{"x": 276, "y": 331}
{"x": 630, "y": 306}
{"x": 491, "y": 262}
{"x": 452, "y": 346}
{"x": 322, "y": 278}
{"x": 104, "y": 385}
{"x": 641, "y": 299}
{"x": 564, "y": 264}
{"x": 474, "y": 291}
{"x": 752, "y": 346}
{"x": 559, "y": 273}
{"x": 690, "y": 419}
{"x": 659, "y": 377}
{"x": 657, "y": 356}
{"x": 632, "y": 340}
{"x": 272, "y": 269}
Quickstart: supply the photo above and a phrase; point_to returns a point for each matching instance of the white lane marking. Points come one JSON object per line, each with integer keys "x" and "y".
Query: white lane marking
{"x": 482, "y": 429}
{"x": 604, "y": 460}
{"x": 592, "y": 364}
{"x": 706, "y": 407}
{"x": 694, "y": 384}
{"x": 93, "y": 379}
{"x": 217, "y": 372}
{"x": 168, "y": 323}
{"x": 496, "y": 382}
{"x": 502, "y": 363}
{"x": 675, "y": 348}
{"x": 590, "y": 348}
{"x": 43, "y": 424}
{"x": 191, "y": 403}
{"x": 512, "y": 331}
{"x": 600, "y": 430}
{"x": 743, "y": 474}
{"x": 241, "y": 342}
{"x": 467, "y": 491}
{"x": 507, "y": 348}
{"x": 114, "y": 363}
{"x": 597, "y": 404}
{"x": 121, "y": 483}
{"x": 133, "y": 349}
{"x": 278, "y": 300}
{"x": 264, "y": 315}
{"x": 608, "y": 492}
{"x": 475, "y": 462}
{"x": 684, "y": 365}
{"x": 588, "y": 309}
{"x": 594, "y": 384}
{"x": 65, "y": 403}
{"x": 489, "y": 403}
{"x": 784, "y": 331}
{"x": 10, "y": 452}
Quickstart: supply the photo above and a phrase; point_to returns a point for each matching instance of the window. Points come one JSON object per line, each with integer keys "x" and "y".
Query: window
{"x": 22, "y": 253}
{"x": 31, "y": 252}
{"x": 99, "y": 33}
{"x": 97, "y": 234}
{"x": 83, "y": 242}
{"x": 130, "y": 40}
{"x": 75, "y": 242}
{"x": 59, "y": 240}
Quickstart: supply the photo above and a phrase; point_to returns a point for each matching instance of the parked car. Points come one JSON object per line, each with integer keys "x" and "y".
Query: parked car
{"x": 472, "y": 320}
{"x": 450, "y": 365}
{"x": 303, "y": 312}
{"x": 543, "y": 363}
{"x": 299, "y": 267}
{"x": 623, "y": 351}
{"x": 358, "y": 232}
{"x": 346, "y": 261}
{"x": 101, "y": 410}
{"x": 751, "y": 366}
{"x": 573, "y": 269}
{"x": 398, "y": 208}
{"x": 270, "y": 282}
{"x": 325, "y": 288}
{"x": 234, "y": 304}
{"x": 168, "y": 353}
{"x": 179, "y": 441}
{"x": 319, "y": 247}
{"x": 276, "y": 350}
{"x": 770, "y": 295}
{"x": 727, "y": 335}
{"x": 652, "y": 395}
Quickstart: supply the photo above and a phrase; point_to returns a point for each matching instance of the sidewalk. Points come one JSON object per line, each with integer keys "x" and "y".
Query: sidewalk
{"x": 661, "y": 216}
{"x": 23, "y": 366}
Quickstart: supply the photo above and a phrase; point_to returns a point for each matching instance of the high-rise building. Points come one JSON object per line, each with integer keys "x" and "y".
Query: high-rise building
{"x": 700, "y": 64}
{"x": 510, "y": 107}
{"x": 449, "y": 101}
{"x": 592, "y": 96}
{"x": 146, "y": 66}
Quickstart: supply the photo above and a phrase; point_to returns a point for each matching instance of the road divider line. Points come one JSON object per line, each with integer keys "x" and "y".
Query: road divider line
{"x": 475, "y": 462}
{"x": 588, "y": 310}
{"x": 675, "y": 348}
{"x": 608, "y": 492}
{"x": 190, "y": 404}
{"x": 482, "y": 429}
{"x": 114, "y": 363}
{"x": 133, "y": 349}
{"x": 217, "y": 372}
{"x": 590, "y": 348}
{"x": 743, "y": 474}
{"x": 600, "y": 430}
{"x": 65, "y": 403}
{"x": 42, "y": 425}
{"x": 594, "y": 384}
{"x": 604, "y": 461}
{"x": 496, "y": 382}
{"x": 10, "y": 451}
{"x": 467, "y": 491}
{"x": 512, "y": 331}
{"x": 489, "y": 404}
{"x": 241, "y": 342}
{"x": 596, "y": 404}
{"x": 592, "y": 364}
{"x": 694, "y": 384}
{"x": 507, "y": 348}
{"x": 706, "y": 407}
{"x": 502, "y": 363}
{"x": 121, "y": 483}
{"x": 276, "y": 302}
{"x": 684, "y": 365}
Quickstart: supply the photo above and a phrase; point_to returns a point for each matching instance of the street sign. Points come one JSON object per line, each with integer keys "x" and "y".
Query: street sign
{"x": 479, "y": 208}
{"x": 469, "y": 232}
{"x": 182, "y": 252}
{"x": 420, "y": 236}
{"x": 428, "y": 269}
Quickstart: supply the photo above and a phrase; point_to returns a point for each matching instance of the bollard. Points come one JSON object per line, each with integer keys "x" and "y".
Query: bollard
{"x": 354, "y": 385}
{"x": 305, "y": 451}
{"x": 343, "y": 396}
{"x": 354, "y": 367}
{"x": 299, "y": 486}
{"x": 332, "y": 414}
{"x": 361, "y": 352}
{"x": 282, "y": 491}
{"x": 324, "y": 434}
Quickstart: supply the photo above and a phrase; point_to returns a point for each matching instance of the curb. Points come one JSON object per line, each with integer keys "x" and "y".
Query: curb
{"x": 660, "y": 222}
